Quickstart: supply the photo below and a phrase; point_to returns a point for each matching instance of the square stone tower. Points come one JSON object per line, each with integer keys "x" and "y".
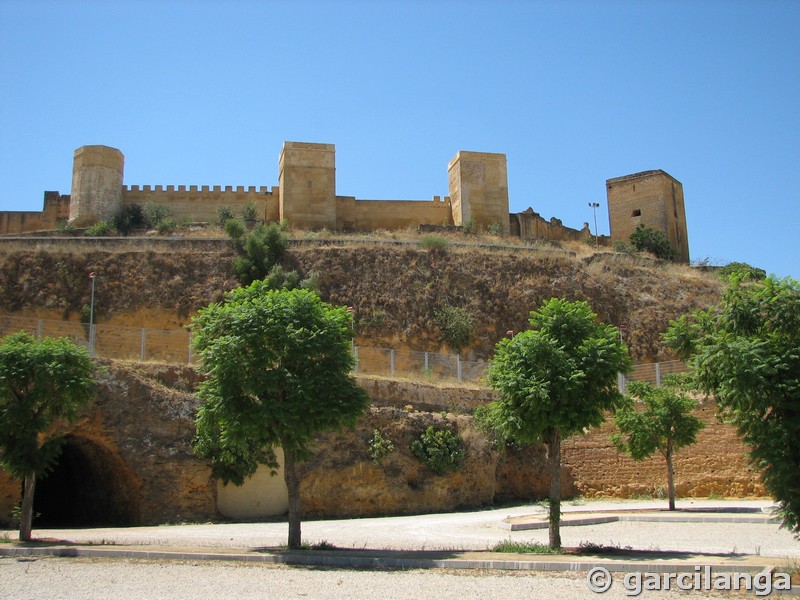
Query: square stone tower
{"x": 307, "y": 180}
{"x": 479, "y": 189}
{"x": 653, "y": 199}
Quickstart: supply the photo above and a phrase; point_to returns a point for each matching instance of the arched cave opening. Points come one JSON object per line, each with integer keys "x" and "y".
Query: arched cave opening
{"x": 88, "y": 487}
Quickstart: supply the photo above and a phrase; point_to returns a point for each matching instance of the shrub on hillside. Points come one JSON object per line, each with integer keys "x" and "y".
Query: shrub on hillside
{"x": 224, "y": 214}
{"x": 154, "y": 213}
{"x": 99, "y": 229}
{"x": 259, "y": 250}
{"x": 128, "y": 218}
{"x": 456, "y": 324}
{"x": 645, "y": 239}
{"x": 742, "y": 272}
{"x": 433, "y": 242}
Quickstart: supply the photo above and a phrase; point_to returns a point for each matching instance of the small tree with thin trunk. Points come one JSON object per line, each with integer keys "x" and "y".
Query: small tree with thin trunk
{"x": 746, "y": 352}
{"x": 43, "y": 383}
{"x": 662, "y": 421}
{"x": 555, "y": 380}
{"x": 279, "y": 371}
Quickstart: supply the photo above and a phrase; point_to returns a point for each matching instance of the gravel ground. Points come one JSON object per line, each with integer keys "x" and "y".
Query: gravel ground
{"x": 76, "y": 579}
{"x": 477, "y": 530}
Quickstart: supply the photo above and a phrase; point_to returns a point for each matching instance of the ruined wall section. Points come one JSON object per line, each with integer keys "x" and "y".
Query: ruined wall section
{"x": 479, "y": 189}
{"x": 370, "y": 215}
{"x": 650, "y": 198}
{"x": 200, "y": 203}
{"x": 56, "y": 208}
{"x": 530, "y": 225}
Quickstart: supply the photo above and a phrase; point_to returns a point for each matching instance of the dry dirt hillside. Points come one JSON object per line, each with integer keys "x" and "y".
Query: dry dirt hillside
{"x": 394, "y": 286}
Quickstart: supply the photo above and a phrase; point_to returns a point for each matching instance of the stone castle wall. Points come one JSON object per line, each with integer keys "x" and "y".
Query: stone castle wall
{"x": 200, "y": 203}
{"x": 55, "y": 210}
{"x": 306, "y": 198}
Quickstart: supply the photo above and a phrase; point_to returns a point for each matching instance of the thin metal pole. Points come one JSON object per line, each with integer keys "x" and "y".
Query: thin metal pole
{"x": 92, "y": 276}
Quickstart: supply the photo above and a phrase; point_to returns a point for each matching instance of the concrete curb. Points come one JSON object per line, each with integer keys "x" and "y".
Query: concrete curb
{"x": 567, "y": 520}
{"x": 408, "y": 560}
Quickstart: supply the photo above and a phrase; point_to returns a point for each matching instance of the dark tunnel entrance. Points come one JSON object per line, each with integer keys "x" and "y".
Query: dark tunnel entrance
{"x": 89, "y": 487}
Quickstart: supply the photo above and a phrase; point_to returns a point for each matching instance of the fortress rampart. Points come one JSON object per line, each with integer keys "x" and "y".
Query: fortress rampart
{"x": 306, "y": 198}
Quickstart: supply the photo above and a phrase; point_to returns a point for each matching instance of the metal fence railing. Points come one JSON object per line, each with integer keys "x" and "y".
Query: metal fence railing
{"x": 175, "y": 346}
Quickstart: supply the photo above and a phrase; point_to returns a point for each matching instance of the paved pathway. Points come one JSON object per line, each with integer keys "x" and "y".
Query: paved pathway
{"x": 732, "y": 530}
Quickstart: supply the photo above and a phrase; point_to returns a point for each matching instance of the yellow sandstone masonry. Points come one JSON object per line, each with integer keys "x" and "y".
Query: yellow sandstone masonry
{"x": 306, "y": 198}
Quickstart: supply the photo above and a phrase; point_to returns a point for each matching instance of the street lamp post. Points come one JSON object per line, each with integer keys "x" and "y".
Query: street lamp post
{"x": 92, "y": 276}
{"x": 595, "y": 206}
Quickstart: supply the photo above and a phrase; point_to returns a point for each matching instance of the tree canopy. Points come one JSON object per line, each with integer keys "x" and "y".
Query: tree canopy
{"x": 278, "y": 365}
{"x": 664, "y": 424}
{"x": 43, "y": 383}
{"x": 746, "y": 351}
{"x": 554, "y": 380}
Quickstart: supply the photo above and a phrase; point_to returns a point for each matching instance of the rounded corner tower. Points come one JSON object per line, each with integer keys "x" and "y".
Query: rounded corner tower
{"x": 96, "y": 184}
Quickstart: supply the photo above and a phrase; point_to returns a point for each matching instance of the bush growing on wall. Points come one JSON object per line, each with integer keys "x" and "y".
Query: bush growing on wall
{"x": 440, "y": 450}
{"x": 379, "y": 447}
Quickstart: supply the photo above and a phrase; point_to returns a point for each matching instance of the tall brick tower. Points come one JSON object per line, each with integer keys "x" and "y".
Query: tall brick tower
{"x": 653, "y": 199}
{"x": 479, "y": 189}
{"x": 96, "y": 184}
{"x": 307, "y": 179}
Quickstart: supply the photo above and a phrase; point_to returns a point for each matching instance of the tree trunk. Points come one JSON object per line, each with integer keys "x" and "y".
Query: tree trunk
{"x": 670, "y": 480}
{"x": 26, "y": 521}
{"x": 293, "y": 486}
{"x": 554, "y": 466}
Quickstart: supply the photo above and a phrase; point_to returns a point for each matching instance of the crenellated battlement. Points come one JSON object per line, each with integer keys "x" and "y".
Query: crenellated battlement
{"x": 239, "y": 189}
{"x": 201, "y": 203}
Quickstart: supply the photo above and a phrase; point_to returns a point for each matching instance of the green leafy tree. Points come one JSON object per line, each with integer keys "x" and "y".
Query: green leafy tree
{"x": 555, "y": 380}
{"x": 746, "y": 351}
{"x": 741, "y": 271}
{"x": 43, "y": 383}
{"x": 278, "y": 364}
{"x": 664, "y": 423}
{"x": 645, "y": 239}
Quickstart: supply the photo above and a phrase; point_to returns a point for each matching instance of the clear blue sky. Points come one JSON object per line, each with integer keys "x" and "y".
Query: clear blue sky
{"x": 205, "y": 93}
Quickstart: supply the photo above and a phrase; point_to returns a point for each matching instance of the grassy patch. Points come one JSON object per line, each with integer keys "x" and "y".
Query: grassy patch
{"x": 514, "y": 547}
{"x": 592, "y": 548}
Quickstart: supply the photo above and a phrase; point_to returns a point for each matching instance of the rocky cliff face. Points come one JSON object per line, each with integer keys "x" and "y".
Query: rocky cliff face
{"x": 134, "y": 446}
